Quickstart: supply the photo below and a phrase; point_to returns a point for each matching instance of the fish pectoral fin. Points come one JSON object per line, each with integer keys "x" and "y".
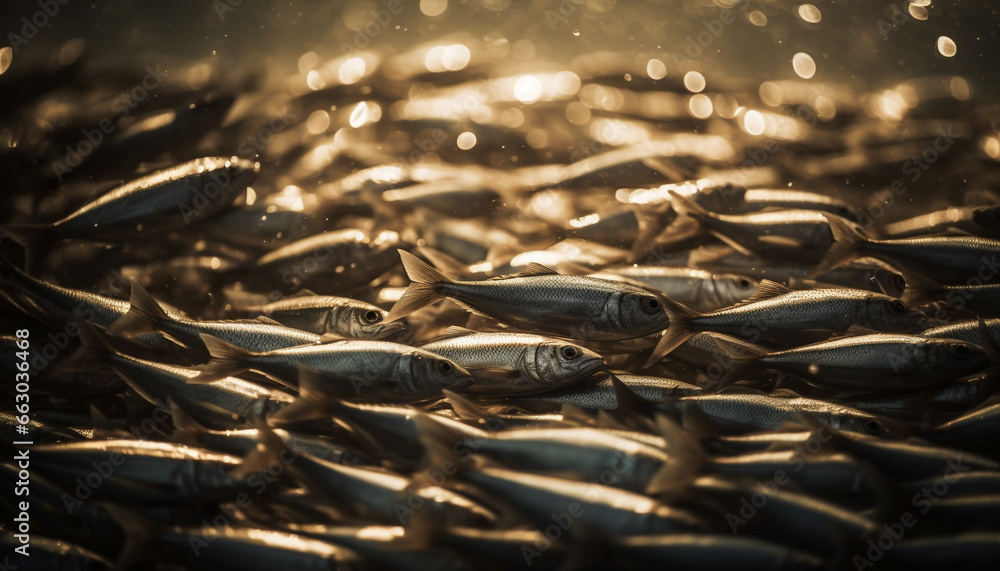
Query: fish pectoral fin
{"x": 266, "y": 320}
{"x": 856, "y": 330}
{"x": 562, "y": 318}
{"x": 330, "y": 337}
{"x": 493, "y": 372}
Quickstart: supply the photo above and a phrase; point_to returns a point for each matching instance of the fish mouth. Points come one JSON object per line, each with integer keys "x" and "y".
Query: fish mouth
{"x": 591, "y": 366}
{"x": 397, "y": 331}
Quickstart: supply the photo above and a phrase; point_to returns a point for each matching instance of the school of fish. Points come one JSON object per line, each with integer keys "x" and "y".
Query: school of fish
{"x": 379, "y": 316}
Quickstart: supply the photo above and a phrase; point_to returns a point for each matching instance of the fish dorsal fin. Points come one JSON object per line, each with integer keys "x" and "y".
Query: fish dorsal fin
{"x": 330, "y": 337}
{"x": 458, "y": 331}
{"x": 267, "y": 320}
{"x": 535, "y": 269}
{"x": 765, "y": 290}
{"x": 304, "y": 293}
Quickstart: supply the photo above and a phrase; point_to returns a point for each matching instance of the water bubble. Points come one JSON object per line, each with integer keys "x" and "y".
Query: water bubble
{"x": 308, "y": 61}
{"x": 576, "y": 33}
{"x": 351, "y": 70}
{"x": 918, "y": 12}
{"x": 455, "y": 57}
{"x": 318, "y": 122}
{"x": 466, "y": 140}
{"x": 946, "y": 46}
{"x": 753, "y": 122}
{"x": 804, "y": 65}
{"x": 6, "y": 56}
{"x": 757, "y": 18}
{"x": 365, "y": 112}
{"x": 694, "y": 81}
{"x": 656, "y": 69}
{"x": 810, "y": 13}
{"x": 527, "y": 89}
{"x": 700, "y": 106}
{"x": 433, "y": 7}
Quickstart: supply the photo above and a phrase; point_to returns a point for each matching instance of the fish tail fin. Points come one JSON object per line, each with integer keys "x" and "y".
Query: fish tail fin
{"x": 742, "y": 357}
{"x": 687, "y": 207}
{"x": 989, "y": 342}
{"x": 186, "y": 428}
{"x": 144, "y": 314}
{"x": 225, "y": 361}
{"x": 684, "y": 462}
{"x": 680, "y": 329}
{"x": 845, "y": 248}
{"x": 140, "y": 534}
{"x": 446, "y": 443}
{"x": 424, "y": 289}
{"x": 317, "y": 398}
{"x": 650, "y": 223}
{"x": 920, "y": 290}
{"x": 466, "y": 410}
{"x": 37, "y": 240}
{"x": 94, "y": 348}
{"x": 268, "y": 450}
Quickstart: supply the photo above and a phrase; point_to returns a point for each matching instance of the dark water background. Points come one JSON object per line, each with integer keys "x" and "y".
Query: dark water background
{"x": 866, "y": 43}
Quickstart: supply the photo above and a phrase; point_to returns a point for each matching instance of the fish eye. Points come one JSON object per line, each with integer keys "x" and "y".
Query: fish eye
{"x": 744, "y": 283}
{"x": 445, "y": 367}
{"x": 897, "y": 307}
{"x": 569, "y": 352}
{"x": 650, "y": 304}
{"x": 960, "y": 350}
{"x": 372, "y": 316}
{"x": 873, "y": 426}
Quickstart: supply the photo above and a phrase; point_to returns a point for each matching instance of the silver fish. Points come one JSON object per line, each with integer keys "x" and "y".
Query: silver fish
{"x": 948, "y": 259}
{"x": 777, "y": 312}
{"x": 797, "y": 235}
{"x": 163, "y": 200}
{"x": 365, "y": 364}
{"x": 322, "y": 314}
{"x": 879, "y": 362}
{"x": 739, "y": 412}
{"x": 610, "y": 510}
{"x": 516, "y": 363}
{"x": 577, "y": 307}
{"x": 145, "y": 314}
{"x": 699, "y": 289}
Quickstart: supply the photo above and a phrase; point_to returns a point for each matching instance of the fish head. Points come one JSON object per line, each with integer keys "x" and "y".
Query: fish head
{"x": 232, "y": 172}
{"x": 364, "y": 322}
{"x": 890, "y": 314}
{"x": 955, "y": 358}
{"x": 868, "y": 424}
{"x": 433, "y": 372}
{"x": 889, "y": 282}
{"x": 736, "y": 287}
{"x": 556, "y": 361}
{"x": 639, "y": 312}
